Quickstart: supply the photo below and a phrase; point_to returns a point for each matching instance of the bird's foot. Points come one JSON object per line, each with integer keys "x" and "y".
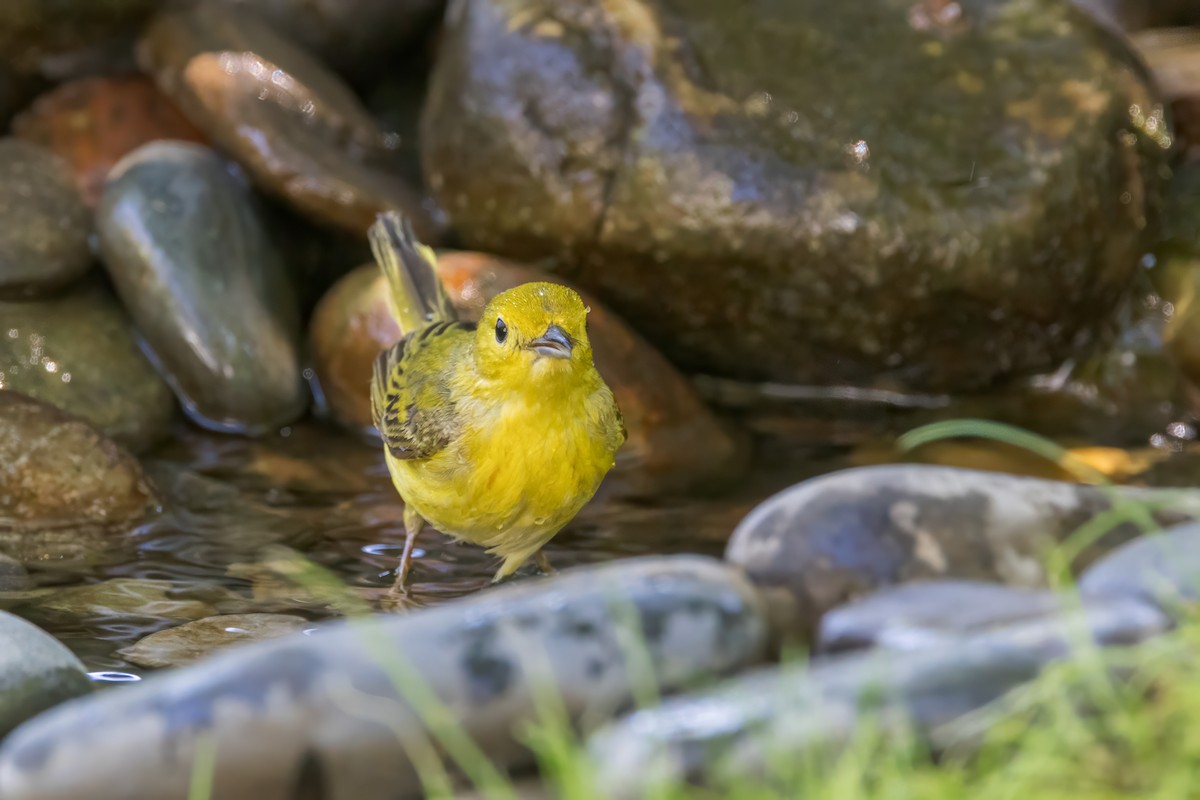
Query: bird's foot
{"x": 543, "y": 563}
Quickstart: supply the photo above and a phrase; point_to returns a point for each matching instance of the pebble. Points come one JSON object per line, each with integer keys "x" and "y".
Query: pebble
{"x": 44, "y": 239}
{"x": 674, "y": 441}
{"x": 77, "y": 352}
{"x": 186, "y": 249}
{"x": 36, "y": 672}
{"x": 732, "y": 731}
{"x": 296, "y": 128}
{"x": 323, "y": 709}
{"x": 69, "y": 474}
{"x": 93, "y": 122}
{"x": 1163, "y": 569}
{"x": 194, "y": 641}
{"x": 837, "y": 537}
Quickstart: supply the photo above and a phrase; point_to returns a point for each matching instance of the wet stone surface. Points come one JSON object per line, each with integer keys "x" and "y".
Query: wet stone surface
{"x": 306, "y": 139}
{"x": 77, "y": 351}
{"x": 480, "y": 656}
{"x": 745, "y": 188}
{"x": 36, "y": 672}
{"x": 44, "y": 239}
{"x": 187, "y": 251}
{"x": 196, "y": 640}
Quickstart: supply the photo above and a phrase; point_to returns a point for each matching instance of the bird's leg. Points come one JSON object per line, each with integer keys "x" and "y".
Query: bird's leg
{"x": 412, "y": 526}
{"x": 543, "y": 562}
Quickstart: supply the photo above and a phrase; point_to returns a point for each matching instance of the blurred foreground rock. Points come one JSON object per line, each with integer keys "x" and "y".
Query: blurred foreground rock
{"x": 674, "y": 442}
{"x": 746, "y": 189}
{"x": 322, "y": 710}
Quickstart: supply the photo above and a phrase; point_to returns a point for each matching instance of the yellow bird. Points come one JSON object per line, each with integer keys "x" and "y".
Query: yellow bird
{"x": 495, "y": 433}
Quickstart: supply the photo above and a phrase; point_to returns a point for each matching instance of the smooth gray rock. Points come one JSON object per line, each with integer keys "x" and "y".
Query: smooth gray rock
{"x": 196, "y": 640}
{"x": 36, "y": 672}
{"x": 1163, "y": 569}
{"x": 733, "y": 731}
{"x": 834, "y": 538}
{"x": 44, "y": 238}
{"x": 324, "y": 710}
{"x": 187, "y": 251}
{"x": 77, "y": 351}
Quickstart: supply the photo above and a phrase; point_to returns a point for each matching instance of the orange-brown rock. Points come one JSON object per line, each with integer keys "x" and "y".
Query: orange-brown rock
{"x": 675, "y": 441}
{"x": 92, "y": 123}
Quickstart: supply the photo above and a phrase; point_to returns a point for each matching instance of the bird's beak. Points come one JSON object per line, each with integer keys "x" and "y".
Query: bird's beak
{"x": 554, "y": 343}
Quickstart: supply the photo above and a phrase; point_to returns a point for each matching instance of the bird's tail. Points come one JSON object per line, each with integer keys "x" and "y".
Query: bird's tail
{"x": 418, "y": 298}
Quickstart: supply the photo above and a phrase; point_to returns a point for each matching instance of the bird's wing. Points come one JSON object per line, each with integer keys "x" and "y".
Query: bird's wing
{"x": 410, "y": 397}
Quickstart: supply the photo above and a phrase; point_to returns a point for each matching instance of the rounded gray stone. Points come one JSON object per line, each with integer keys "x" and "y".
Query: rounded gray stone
{"x": 1163, "y": 569}
{"x": 36, "y": 672}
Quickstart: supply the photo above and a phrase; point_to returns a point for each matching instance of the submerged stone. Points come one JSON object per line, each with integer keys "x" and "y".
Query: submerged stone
{"x": 186, "y": 249}
{"x": 36, "y": 672}
{"x": 200, "y": 639}
{"x": 324, "y": 707}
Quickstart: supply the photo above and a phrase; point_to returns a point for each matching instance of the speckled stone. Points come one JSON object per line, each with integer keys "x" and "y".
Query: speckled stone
{"x": 187, "y": 251}
{"x": 296, "y": 128}
{"x": 733, "y": 732}
{"x": 196, "y": 640}
{"x": 675, "y": 442}
{"x": 69, "y": 473}
{"x": 44, "y": 238}
{"x": 36, "y": 672}
{"x": 93, "y": 122}
{"x": 763, "y": 202}
{"x": 832, "y": 539}
{"x": 77, "y": 352}
{"x": 322, "y": 710}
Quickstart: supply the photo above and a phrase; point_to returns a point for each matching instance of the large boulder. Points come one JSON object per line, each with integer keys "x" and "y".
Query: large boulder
{"x": 930, "y": 194}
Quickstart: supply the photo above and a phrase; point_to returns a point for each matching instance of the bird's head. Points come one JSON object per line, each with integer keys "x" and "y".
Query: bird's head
{"x": 534, "y": 333}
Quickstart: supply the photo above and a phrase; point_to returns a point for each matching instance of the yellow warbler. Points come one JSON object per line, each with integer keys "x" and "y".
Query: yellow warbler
{"x": 495, "y": 433}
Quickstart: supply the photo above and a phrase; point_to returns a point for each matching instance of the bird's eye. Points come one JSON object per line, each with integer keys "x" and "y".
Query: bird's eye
{"x": 501, "y": 331}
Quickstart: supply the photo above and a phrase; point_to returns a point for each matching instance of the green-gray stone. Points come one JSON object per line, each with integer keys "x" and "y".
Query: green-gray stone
{"x": 77, "y": 352}
{"x": 187, "y": 251}
{"x": 966, "y": 201}
{"x": 36, "y": 672}
{"x": 44, "y": 238}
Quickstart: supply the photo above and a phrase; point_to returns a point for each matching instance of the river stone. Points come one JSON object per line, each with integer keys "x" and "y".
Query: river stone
{"x": 143, "y": 598}
{"x": 187, "y": 252}
{"x": 36, "y": 672}
{"x": 675, "y": 442}
{"x": 196, "y": 640}
{"x": 355, "y": 37}
{"x": 32, "y": 31}
{"x": 93, "y": 122}
{"x": 734, "y": 730}
{"x": 321, "y": 708}
{"x": 44, "y": 239}
{"x": 763, "y": 202}
{"x": 61, "y": 472}
{"x": 834, "y": 538}
{"x": 296, "y": 128}
{"x": 77, "y": 352}
{"x": 1162, "y": 568}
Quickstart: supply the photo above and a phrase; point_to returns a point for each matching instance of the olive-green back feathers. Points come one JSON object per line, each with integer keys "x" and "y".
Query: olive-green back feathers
{"x": 417, "y": 295}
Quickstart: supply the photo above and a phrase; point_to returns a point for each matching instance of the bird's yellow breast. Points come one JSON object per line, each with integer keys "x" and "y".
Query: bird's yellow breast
{"x": 519, "y": 471}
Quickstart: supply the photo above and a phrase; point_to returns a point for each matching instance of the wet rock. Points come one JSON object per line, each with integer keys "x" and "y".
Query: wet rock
{"x": 834, "y": 538}
{"x": 69, "y": 474}
{"x": 44, "y": 239}
{"x": 36, "y": 672}
{"x": 33, "y": 33}
{"x": 763, "y": 203}
{"x": 94, "y": 122}
{"x": 297, "y": 129}
{"x": 143, "y": 598}
{"x": 731, "y": 732}
{"x": 283, "y": 709}
{"x": 196, "y": 640}
{"x": 187, "y": 252}
{"x": 77, "y": 352}
{"x": 1159, "y": 568}
{"x": 13, "y": 575}
{"x": 674, "y": 441}
{"x": 353, "y": 36}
